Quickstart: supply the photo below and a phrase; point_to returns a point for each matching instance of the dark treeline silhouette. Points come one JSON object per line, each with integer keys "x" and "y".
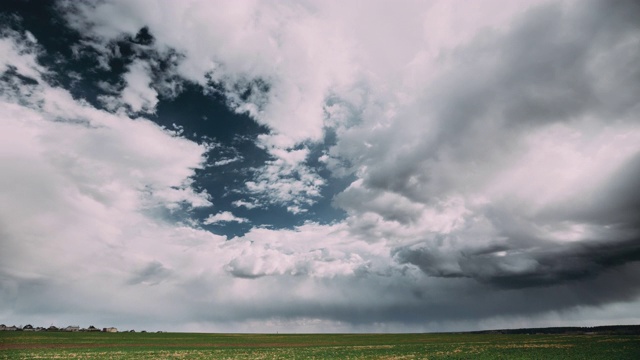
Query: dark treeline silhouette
{"x": 600, "y": 330}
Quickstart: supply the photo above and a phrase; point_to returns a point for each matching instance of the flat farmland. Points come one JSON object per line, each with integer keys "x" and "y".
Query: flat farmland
{"x": 64, "y": 345}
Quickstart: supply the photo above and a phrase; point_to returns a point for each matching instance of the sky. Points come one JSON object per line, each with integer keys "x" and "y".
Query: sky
{"x": 319, "y": 166}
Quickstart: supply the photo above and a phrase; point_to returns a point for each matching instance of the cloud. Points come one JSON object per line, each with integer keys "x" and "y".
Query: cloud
{"x": 138, "y": 94}
{"x": 84, "y": 194}
{"x": 256, "y": 55}
{"x": 522, "y": 268}
{"x": 325, "y": 252}
{"x": 227, "y": 161}
{"x": 499, "y": 142}
{"x": 225, "y": 216}
{"x": 152, "y": 274}
{"x": 246, "y": 204}
{"x": 287, "y": 181}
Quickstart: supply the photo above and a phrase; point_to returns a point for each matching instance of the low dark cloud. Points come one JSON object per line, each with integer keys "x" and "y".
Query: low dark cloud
{"x": 152, "y": 274}
{"x": 545, "y": 265}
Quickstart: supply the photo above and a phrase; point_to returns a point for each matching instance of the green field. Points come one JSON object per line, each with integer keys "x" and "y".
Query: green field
{"x": 63, "y": 345}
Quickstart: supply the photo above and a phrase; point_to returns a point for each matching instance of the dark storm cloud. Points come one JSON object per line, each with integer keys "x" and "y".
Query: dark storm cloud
{"x": 374, "y": 299}
{"x": 525, "y": 258}
{"x": 548, "y": 264}
{"x": 557, "y": 64}
{"x": 548, "y": 69}
{"x": 615, "y": 203}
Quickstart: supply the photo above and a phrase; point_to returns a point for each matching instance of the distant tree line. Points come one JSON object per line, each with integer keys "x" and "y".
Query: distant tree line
{"x": 598, "y": 330}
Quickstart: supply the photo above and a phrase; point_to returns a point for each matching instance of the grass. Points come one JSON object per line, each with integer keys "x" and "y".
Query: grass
{"x": 63, "y": 345}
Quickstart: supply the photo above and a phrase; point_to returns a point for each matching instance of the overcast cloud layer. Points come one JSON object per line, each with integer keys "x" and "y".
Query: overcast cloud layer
{"x": 320, "y": 166}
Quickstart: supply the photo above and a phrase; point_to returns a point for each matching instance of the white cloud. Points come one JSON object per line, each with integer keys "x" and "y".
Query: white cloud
{"x": 18, "y": 54}
{"x": 225, "y": 216}
{"x": 236, "y": 46}
{"x": 79, "y": 194}
{"x": 311, "y": 250}
{"x": 287, "y": 181}
{"x": 227, "y": 161}
{"x": 246, "y": 204}
{"x": 138, "y": 93}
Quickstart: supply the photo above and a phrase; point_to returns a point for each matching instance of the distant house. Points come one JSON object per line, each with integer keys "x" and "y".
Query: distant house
{"x": 11, "y": 328}
{"x": 110, "y": 329}
{"x": 3, "y": 327}
{"x": 28, "y": 327}
{"x": 72, "y": 328}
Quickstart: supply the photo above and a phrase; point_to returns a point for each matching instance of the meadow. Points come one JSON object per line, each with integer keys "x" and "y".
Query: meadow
{"x": 67, "y": 345}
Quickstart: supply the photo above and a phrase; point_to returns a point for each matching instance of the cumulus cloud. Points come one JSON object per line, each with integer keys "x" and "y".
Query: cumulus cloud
{"x": 326, "y": 251}
{"x": 246, "y": 204}
{"x": 138, "y": 94}
{"x": 82, "y": 192}
{"x": 225, "y": 216}
{"x": 287, "y": 181}
{"x": 227, "y": 161}
{"x": 256, "y": 55}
